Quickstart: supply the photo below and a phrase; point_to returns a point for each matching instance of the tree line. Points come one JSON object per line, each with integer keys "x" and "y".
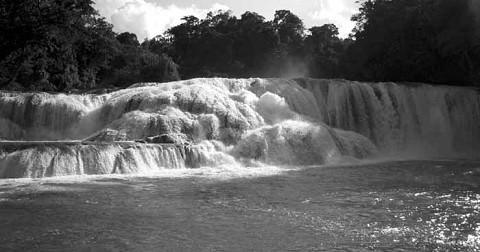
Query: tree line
{"x": 55, "y": 45}
{"x": 65, "y": 44}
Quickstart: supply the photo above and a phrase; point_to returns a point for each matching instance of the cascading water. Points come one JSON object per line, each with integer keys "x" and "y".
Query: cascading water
{"x": 417, "y": 120}
{"x": 209, "y": 122}
{"x": 48, "y": 159}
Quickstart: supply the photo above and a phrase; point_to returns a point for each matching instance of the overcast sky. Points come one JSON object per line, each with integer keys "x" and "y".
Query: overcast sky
{"x": 148, "y": 18}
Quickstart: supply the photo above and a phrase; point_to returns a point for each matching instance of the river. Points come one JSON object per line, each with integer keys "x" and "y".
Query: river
{"x": 381, "y": 206}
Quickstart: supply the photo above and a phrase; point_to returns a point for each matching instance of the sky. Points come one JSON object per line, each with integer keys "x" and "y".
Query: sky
{"x": 148, "y": 18}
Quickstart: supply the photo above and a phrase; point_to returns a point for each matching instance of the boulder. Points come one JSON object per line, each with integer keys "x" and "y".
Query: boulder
{"x": 166, "y": 139}
{"x": 107, "y": 135}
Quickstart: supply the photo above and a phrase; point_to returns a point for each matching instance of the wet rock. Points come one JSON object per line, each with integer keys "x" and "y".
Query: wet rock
{"x": 167, "y": 139}
{"x": 107, "y": 135}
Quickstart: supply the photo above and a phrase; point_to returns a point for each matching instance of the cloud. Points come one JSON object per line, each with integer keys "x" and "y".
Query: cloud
{"x": 146, "y": 19}
{"x": 337, "y": 12}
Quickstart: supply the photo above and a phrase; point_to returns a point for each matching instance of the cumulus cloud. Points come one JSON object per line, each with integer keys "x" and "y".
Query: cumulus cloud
{"x": 337, "y": 12}
{"x": 147, "y": 19}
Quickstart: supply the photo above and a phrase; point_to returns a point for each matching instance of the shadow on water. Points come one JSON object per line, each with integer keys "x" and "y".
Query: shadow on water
{"x": 404, "y": 206}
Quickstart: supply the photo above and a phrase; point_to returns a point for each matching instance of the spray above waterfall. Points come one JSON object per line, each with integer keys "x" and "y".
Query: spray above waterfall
{"x": 221, "y": 121}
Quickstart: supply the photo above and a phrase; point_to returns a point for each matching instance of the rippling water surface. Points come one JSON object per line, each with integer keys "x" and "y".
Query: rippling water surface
{"x": 393, "y": 206}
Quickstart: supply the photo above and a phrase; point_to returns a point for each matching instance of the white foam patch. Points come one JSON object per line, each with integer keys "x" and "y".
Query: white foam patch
{"x": 219, "y": 173}
{"x": 274, "y": 109}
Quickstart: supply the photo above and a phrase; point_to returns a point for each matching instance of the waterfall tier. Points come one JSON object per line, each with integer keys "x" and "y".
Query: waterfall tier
{"x": 49, "y": 159}
{"x": 224, "y": 121}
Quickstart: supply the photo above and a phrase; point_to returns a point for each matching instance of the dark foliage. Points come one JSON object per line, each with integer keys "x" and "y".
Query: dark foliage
{"x": 223, "y": 45}
{"x": 65, "y": 44}
{"x": 434, "y": 41}
{"x": 137, "y": 63}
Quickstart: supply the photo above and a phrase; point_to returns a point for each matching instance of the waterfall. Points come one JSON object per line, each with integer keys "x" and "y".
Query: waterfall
{"x": 229, "y": 121}
{"x": 56, "y": 159}
{"x": 40, "y": 116}
{"x": 419, "y": 119}
{"x": 49, "y": 159}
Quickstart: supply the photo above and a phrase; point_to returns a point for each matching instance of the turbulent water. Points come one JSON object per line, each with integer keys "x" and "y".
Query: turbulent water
{"x": 250, "y": 122}
{"x": 393, "y": 206}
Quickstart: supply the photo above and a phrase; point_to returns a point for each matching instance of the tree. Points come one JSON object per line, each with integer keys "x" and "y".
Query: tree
{"x": 255, "y": 42}
{"x": 288, "y": 59}
{"x": 52, "y": 44}
{"x": 128, "y": 39}
{"x": 137, "y": 63}
{"x": 425, "y": 40}
{"x": 290, "y": 27}
{"x": 203, "y": 47}
{"x": 64, "y": 44}
{"x": 324, "y": 50}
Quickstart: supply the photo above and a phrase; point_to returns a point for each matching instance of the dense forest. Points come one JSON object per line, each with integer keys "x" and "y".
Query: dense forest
{"x": 56, "y": 45}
